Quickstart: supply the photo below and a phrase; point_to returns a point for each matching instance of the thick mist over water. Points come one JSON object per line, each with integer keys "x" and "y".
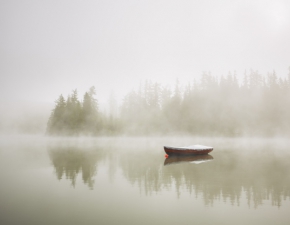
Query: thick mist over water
{"x": 215, "y": 106}
{"x": 91, "y": 91}
{"x": 52, "y": 48}
{"x": 211, "y": 106}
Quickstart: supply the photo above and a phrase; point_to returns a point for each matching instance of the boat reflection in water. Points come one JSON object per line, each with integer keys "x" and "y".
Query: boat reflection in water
{"x": 196, "y": 159}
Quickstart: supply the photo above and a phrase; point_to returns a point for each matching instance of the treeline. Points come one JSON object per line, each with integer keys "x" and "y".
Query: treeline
{"x": 73, "y": 117}
{"x": 259, "y": 105}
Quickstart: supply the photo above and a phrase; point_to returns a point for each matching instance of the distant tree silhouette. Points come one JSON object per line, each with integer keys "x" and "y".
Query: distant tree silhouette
{"x": 56, "y": 122}
{"x": 90, "y": 112}
{"x": 73, "y": 114}
{"x": 72, "y": 117}
{"x": 259, "y": 105}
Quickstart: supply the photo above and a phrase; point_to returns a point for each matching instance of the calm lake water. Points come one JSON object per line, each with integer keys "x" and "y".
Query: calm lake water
{"x": 129, "y": 181}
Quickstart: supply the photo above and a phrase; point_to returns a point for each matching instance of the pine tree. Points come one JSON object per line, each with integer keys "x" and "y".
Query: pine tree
{"x": 73, "y": 114}
{"x": 56, "y": 121}
{"x": 89, "y": 116}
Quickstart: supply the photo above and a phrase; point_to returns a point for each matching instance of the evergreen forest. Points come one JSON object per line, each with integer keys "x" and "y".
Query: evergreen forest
{"x": 214, "y": 106}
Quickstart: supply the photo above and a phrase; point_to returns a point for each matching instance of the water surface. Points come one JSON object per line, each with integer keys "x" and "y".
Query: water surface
{"x": 129, "y": 181}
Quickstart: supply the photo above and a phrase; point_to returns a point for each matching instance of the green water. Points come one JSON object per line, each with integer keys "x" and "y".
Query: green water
{"x": 129, "y": 181}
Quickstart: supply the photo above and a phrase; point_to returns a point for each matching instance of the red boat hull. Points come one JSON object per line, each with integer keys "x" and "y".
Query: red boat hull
{"x": 178, "y": 151}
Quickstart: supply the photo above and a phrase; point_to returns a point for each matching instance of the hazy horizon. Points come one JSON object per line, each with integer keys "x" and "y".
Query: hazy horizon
{"x": 53, "y": 47}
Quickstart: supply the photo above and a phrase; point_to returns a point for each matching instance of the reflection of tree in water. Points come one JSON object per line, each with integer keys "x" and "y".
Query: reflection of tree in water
{"x": 229, "y": 176}
{"x": 71, "y": 161}
{"x": 143, "y": 171}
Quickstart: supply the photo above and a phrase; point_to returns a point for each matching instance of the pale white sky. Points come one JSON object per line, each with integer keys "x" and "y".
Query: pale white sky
{"x": 51, "y": 47}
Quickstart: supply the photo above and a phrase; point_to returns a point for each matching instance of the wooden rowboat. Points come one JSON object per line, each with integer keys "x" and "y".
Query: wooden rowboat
{"x": 188, "y": 150}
